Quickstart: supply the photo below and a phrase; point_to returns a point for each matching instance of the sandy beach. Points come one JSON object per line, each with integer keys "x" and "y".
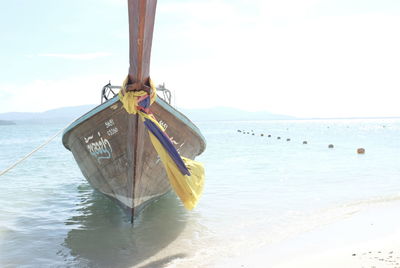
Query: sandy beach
{"x": 367, "y": 238}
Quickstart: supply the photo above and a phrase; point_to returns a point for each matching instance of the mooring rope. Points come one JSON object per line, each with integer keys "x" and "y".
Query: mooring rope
{"x": 34, "y": 151}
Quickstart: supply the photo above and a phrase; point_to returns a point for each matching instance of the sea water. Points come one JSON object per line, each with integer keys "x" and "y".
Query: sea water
{"x": 259, "y": 191}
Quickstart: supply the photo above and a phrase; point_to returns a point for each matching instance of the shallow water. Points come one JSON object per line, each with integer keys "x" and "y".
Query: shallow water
{"x": 259, "y": 191}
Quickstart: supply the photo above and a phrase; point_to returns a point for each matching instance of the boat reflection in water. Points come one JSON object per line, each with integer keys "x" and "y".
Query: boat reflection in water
{"x": 104, "y": 238}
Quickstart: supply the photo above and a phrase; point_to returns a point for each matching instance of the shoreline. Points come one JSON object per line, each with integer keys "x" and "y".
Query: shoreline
{"x": 368, "y": 238}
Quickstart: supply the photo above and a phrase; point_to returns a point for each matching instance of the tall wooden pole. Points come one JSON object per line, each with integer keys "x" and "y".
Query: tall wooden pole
{"x": 141, "y": 25}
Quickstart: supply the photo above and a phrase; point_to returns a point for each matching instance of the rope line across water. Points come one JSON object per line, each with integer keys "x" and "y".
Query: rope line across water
{"x": 34, "y": 151}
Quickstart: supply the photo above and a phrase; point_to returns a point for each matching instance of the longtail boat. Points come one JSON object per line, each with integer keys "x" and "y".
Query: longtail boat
{"x": 125, "y": 146}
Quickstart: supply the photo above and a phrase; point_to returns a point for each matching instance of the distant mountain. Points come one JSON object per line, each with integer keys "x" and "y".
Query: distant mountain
{"x": 230, "y": 114}
{"x": 56, "y": 115}
{"x": 6, "y": 123}
{"x": 66, "y": 114}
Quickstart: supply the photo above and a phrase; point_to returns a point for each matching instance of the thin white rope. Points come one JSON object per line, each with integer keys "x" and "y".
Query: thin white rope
{"x": 34, "y": 151}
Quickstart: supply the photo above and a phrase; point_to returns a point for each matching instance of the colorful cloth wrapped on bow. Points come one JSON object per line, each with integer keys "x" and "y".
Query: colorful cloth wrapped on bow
{"x": 185, "y": 175}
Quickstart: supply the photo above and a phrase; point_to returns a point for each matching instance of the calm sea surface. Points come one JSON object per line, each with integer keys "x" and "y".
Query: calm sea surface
{"x": 259, "y": 191}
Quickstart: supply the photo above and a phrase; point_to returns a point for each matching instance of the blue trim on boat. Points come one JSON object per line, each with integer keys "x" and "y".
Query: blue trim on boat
{"x": 160, "y": 101}
{"x": 181, "y": 117}
{"x": 91, "y": 113}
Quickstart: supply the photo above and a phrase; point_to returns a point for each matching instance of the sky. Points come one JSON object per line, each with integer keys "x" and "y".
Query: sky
{"x": 305, "y": 58}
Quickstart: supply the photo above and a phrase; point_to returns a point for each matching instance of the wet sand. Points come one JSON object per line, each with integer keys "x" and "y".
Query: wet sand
{"x": 368, "y": 238}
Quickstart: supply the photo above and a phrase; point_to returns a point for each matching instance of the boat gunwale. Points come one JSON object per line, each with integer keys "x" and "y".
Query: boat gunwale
{"x": 114, "y": 100}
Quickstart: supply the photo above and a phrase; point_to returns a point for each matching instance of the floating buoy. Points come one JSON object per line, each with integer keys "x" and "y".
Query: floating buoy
{"x": 262, "y": 135}
{"x": 278, "y": 138}
{"x": 330, "y": 146}
{"x": 304, "y": 142}
{"x": 287, "y": 139}
{"x": 269, "y": 136}
{"x": 361, "y": 151}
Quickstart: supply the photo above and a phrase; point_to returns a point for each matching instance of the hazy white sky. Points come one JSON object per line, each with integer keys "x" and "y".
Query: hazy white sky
{"x": 318, "y": 58}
